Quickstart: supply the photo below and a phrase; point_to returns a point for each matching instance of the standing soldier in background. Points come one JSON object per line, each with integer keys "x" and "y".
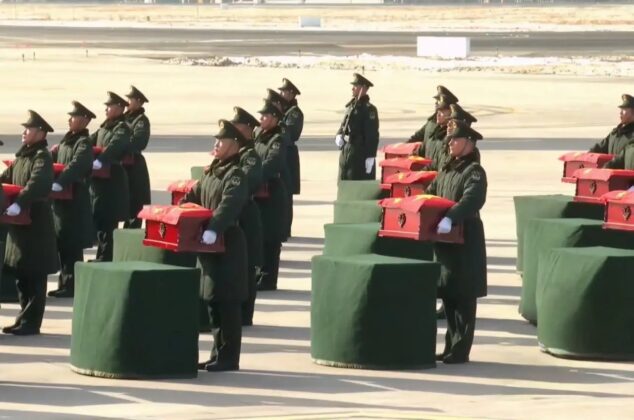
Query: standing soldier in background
{"x": 428, "y": 128}
{"x": 269, "y": 144}
{"x": 435, "y": 146}
{"x": 358, "y": 135}
{"x": 73, "y": 220}
{"x": 293, "y": 121}
{"x": 250, "y": 221}
{"x": 138, "y": 176}
{"x": 31, "y": 252}
{"x": 110, "y": 196}
{"x": 622, "y": 134}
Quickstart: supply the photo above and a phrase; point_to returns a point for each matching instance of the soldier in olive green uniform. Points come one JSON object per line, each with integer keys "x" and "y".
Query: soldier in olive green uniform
{"x": 358, "y": 135}
{"x": 427, "y": 130}
{"x": 463, "y": 276}
{"x": 269, "y": 144}
{"x": 622, "y": 134}
{"x": 293, "y": 122}
{"x": 434, "y": 147}
{"x": 110, "y": 197}
{"x": 225, "y": 190}
{"x": 250, "y": 221}
{"x": 31, "y": 252}
{"x": 138, "y": 176}
{"x": 73, "y": 218}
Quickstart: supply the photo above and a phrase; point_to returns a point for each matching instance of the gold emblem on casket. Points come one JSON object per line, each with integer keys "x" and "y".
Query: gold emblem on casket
{"x": 408, "y": 191}
{"x": 402, "y": 218}
{"x": 627, "y": 213}
{"x": 593, "y": 187}
{"x": 162, "y": 230}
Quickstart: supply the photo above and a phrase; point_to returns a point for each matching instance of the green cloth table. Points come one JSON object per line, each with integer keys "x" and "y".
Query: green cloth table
{"x": 358, "y": 211}
{"x": 128, "y": 246}
{"x": 196, "y": 172}
{"x": 542, "y": 235}
{"x": 373, "y": 312}
{"x": 360, "y": 190}
{"x": 135, "y": 320}
{"x": 559, "y": 206}
{"x": 584, "y": 300}
{"x": 361, "y": 238}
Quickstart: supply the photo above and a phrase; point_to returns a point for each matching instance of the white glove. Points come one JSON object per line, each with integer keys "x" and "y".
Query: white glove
{"x": 444, "y": 226}
{"x": 369, "y": 164}
{"x": 339, "y": 141}
{"x": 209, "y": 237}
{"x": 56, "y": 187}
{"x": 96, "y": 165}
{"x": 631, "y": 189}
{"x": 13, "y": 210}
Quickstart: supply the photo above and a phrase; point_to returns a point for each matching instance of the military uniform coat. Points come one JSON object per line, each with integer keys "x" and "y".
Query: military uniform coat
{"x": 624, "y": 160}
{"x": 223, "y": 189}
{"x": 269, "y": 146}
{"x": 361, "y": 126}
{"x": 138, "y": 175}
{"x": 425, "y": 131}
{"x": 32, "y": 248}
{"x": 73, "y": 218}
{"x": 294, "y": 124}
{"x": 615, "y": 142}
{"x": 110, "y": 197}
{"x": 250, "y": 221}
{"x": 463, "y": 273}
{"x": 434, "y": 147}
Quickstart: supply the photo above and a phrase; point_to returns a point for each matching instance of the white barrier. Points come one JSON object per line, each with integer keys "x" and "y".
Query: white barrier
{"x": 310, "y": 22}
{"x": 441, "y": 46}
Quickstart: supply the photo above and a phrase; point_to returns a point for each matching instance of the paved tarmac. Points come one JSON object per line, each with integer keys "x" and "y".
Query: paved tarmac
{"x": 288, "y": 42}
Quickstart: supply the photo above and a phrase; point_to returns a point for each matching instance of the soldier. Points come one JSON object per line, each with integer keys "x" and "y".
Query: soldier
{"x": 622, "y": 134}
{"x": 250, "y": 221}
{"x": 434, "y": 146}
{"x": 428, "y": 128}
{"x": 269, "y": 144}
{"x": 358, "y": 135}
{"x": 110, "y": 196}
{"x": 463, "y": 275}
{"x": 31, "y": 251}
{"x": 224, "y": 189}
{"x": 138, "y": 176}
{"x": 293, "y": 122}
{"x": 73, "y": 218}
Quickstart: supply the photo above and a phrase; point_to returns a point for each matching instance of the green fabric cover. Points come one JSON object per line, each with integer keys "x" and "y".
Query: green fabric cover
{"x": 529, "y": 207}
{"x": 360, "y": 190}
{"x": 8, "y": 291}
{"x": 373, "y": 312}
{"x": 542, "y": 235}
{"x": 584, "y": 300}
{"x": 128, "y": 246}
{"x": 362, "y": 238}
{"x": 359, "y": 211}
{"x": 135, "y": 320}
{"x": 196, "y": 172}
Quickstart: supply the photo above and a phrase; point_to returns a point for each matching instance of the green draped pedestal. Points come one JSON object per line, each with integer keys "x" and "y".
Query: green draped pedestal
{"x": 373, "y": 312}
{"x": 542, "y": 235}
{"x": 360, "y": 190}
{"x": 584, "y": 301}
{"x": 135, "y": 320}
{"x": 358, "y": 211}
{"x": 556, "y": 206}
{"x": 362, "y": 238}
{"x": 128, "y": 246}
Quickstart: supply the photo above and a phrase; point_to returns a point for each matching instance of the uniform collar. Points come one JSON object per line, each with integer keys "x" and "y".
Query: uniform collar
{"x": 30, "y": 150}
{"x": 219, "y": 168}
{"x": 461, "y": 162}
{"x": 71, "y": 137}
{"x": 625, "y": 128}
{"x": 134, "y": 114}
{"x": 112, "y": 123}
{"x": 265, "y": 136}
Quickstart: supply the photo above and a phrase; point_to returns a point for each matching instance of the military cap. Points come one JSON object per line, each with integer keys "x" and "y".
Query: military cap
{"x": 136, "y": 94}
{"x": 463, "y": 130}
{"x": 458, "y": 113}
{"x": 229, "y": 131}
{"x": 81, "y": 111}
{"x": 359, "y": 80}
{"x": 288, "y": 85}
{"x": 270, "y": 108}
{"x": 444, "y": 91}
{"x": 241, "y": 116}
{"x": 444, "y": 101}
{"x": 628, "y": 101}
{"x": 274, "y": 97}
{"x": 114, "y": 99}
{"x": 36, "y": 121}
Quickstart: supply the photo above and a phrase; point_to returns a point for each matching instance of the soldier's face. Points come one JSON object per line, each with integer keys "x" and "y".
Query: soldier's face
{"x": 267, "y": 121}
{"x": 225, "y": 148}
{"x": 459, "y": 146}
{"x": 442, "y": 116}
{"x": 134, "y": 104}
{"x": 627, "y": 115}
{"x": 287, "y": 94}
{"x": 77, "y": 123}
{"x": 32, "y": 135}
{"x": 113, "y": 111}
